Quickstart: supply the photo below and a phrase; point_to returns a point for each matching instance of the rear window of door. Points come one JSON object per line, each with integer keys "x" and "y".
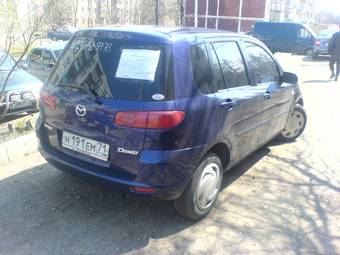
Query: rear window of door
{"x": 305, "y": 34}
{"x": 262, "y": 66}
{"x": 232, "y": 64}
{"x": 118, "y": 69}
{"x": 217, "y": 76}
{"x": 200, "y": 68}
{"x": 48, "y": 58}
{"x": 35, "y": 56}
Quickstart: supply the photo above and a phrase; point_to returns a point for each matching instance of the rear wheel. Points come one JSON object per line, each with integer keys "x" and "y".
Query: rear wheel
{"x": 295, "y": 125}
{"x": 315, "y": 55}
{"x": 309, "y": 52}
{"x": 201, "y": 194}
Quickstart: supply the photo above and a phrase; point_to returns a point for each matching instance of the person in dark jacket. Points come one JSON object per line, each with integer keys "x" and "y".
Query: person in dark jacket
{"x": 334, "y": 49}
{"x": 331, "y": 63}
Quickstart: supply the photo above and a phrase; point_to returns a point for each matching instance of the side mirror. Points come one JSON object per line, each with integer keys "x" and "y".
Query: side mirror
{"x": 289, "y": 78}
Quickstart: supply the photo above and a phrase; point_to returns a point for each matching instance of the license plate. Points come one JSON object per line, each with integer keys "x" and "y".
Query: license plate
{"x": 86, "y": 146}
{"x": 20, "y": 104}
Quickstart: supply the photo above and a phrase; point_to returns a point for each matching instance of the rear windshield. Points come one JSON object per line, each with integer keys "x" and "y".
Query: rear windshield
{"x": 6, "y": 62}
{"x": 119, "y": 69}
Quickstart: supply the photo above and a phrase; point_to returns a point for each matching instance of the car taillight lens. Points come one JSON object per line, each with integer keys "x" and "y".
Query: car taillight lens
{"x": 317, "y": 42}
{"x": 151, "y": 119}
{"x": 48, "y": 100}
{"x": 143, "y": 189}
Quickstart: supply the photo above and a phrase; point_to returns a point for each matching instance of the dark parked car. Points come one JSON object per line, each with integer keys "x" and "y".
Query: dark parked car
{"x": 161, "y": 113}
{"x": 21, "y": 93}
{"x": 285, "y": 37}
{"x": 41, "y": 60}
{"x": 321, "y": 43}
{"x": 62, "y": 33}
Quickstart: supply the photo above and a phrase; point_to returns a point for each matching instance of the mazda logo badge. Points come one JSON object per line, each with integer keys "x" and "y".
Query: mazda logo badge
{"x": 80, "y": 110}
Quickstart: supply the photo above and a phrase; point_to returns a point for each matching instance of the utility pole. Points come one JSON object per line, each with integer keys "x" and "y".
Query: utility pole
{"x": 156, "y": 12}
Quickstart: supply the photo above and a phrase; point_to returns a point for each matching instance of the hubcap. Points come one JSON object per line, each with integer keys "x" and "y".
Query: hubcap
{"x": 208, "y": 186}
{"x": 294, "y": 125}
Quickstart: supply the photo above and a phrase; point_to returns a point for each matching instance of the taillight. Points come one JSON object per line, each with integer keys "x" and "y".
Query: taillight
{"x": 48, "y": 100}
{"x": 152, "y": 119}
{"x": 143, "y": 189}
{"x": 317, "y": 43}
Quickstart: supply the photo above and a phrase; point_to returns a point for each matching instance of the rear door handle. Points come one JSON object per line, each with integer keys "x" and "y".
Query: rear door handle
{"x": 267, "y": 96}
{"x": 228, "y": 104}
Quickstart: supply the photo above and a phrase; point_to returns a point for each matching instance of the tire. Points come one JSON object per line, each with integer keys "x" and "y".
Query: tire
{"x": 309, "y": 52}
{"x": 315, "y": 55}
{"x": 193, "y": 203}
{"x": 295, "y": 125}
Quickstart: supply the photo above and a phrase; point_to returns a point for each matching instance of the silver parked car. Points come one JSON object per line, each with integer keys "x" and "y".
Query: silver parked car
{"x": 321, "y": 43}
{"x": 21, "y": 94}
{"x": 41, "y": 60}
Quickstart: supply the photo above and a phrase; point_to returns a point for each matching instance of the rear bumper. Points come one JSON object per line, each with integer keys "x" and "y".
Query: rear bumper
{"x": 168, "y": 172}
{"x": 320, "y": 50}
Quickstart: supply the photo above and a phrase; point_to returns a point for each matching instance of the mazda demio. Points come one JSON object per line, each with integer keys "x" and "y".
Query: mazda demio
{"x": 162, "y": 113}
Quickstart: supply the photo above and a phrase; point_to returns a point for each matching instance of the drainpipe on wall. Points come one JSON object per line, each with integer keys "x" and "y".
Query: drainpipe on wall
{"x": 239, "y": 16}
{"x": 217, "y": 13}
{"x": 206, "y": 13}
{"x": 196, "y": 13}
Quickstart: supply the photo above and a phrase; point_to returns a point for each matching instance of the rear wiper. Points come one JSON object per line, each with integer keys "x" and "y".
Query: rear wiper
{"x": 95, "y": 94}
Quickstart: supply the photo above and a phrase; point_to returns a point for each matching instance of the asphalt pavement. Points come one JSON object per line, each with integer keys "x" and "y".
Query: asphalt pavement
{"x": 283, "y": 199}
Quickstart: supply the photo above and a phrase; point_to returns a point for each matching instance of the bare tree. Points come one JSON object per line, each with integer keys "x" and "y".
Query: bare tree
{"x": 75, "y": 6}
{"x": 156, "y": 12}
{"x": 114, "y": 12}
{"x": 59, "y": 14}
{"x": 25, "y": 35}
{"x": 99, "y": 19}
{"x": 181, "y": 9}
{"x": 89, "y": 17}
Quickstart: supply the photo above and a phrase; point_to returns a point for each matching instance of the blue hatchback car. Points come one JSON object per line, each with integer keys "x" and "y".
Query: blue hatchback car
{"x": 162, "y": 113}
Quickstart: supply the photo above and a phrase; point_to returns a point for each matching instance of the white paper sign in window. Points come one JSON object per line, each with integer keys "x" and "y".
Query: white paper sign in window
{"x": 138, "y": 64}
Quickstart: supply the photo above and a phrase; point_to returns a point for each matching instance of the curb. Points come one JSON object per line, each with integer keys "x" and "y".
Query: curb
{"x": 18, "y": 148}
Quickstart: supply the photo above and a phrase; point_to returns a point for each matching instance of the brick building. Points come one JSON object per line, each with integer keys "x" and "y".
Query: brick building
{"x": 233, "y": 15}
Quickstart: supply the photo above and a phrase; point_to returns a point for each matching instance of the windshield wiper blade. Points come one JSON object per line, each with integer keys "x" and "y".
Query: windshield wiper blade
{"x": 95, "y": 94}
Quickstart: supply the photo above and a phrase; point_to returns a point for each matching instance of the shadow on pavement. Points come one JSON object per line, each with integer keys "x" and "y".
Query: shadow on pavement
{"x": 317, "y": 81}
{"x": 290, "y": 199}
{"x": 53, "y": 212}
{"x": 48, "y": 212}
{"x": 240, "y": 169}
{"x": 317, "y": 59}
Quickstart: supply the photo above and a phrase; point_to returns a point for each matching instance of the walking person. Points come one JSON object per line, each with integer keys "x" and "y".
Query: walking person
{"x": 332, "y": 64}
{"x": 334, "y": 50}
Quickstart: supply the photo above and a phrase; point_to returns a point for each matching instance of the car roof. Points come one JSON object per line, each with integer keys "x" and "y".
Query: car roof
{"x": 278, "y": 23}
{"x": 163, "y": 33}
{"x": 51, "y": 47}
